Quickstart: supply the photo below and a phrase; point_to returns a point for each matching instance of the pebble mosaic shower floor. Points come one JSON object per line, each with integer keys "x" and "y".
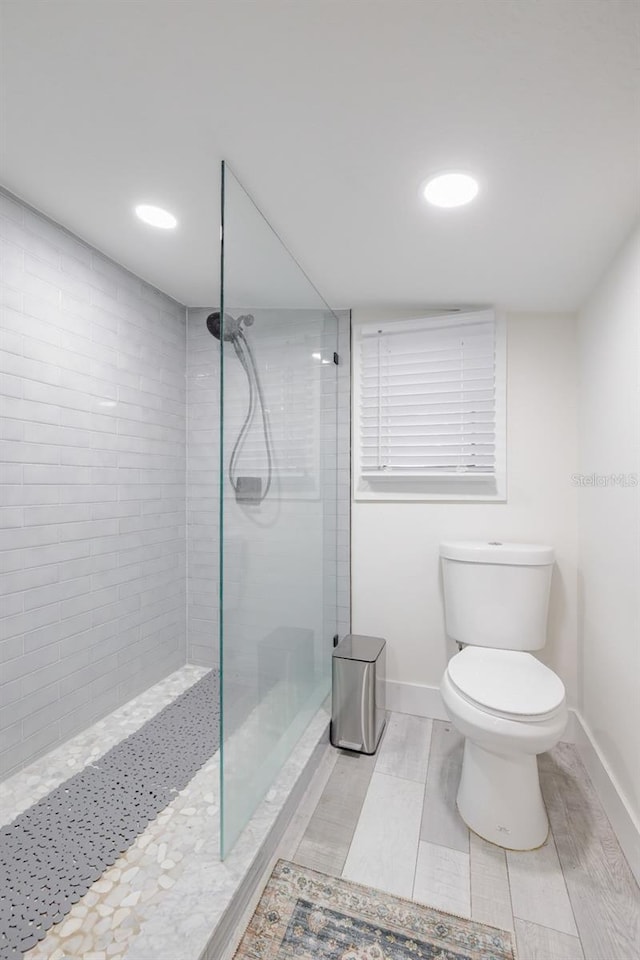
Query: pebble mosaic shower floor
{"x": 165, "y": 896}
{"x": 113, "y": 814}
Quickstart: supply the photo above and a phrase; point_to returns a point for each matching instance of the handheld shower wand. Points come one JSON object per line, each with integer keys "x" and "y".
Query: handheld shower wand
{"x": 247, "y": 489}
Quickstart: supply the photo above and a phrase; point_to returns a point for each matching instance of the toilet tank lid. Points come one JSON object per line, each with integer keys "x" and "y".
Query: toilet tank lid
{"x": 495, "y": 551}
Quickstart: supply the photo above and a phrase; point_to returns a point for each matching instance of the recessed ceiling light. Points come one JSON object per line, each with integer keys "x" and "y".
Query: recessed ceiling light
{"x": 156, "y": 216}
{"x": 450, "y": 189}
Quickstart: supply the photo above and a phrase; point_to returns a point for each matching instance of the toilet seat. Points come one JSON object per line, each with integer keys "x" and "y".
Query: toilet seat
{"x": 510, "y": 684}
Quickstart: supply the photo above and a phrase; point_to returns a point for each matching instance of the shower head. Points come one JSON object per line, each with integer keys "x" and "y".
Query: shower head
{"x": 232, "y": 326}
{"x": 213, "y": 326}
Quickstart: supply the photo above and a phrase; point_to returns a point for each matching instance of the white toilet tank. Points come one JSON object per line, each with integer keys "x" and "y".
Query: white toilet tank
{"x": 497, "y": 594}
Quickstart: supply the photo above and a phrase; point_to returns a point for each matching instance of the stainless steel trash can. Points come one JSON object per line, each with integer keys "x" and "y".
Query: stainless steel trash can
{"x": 358, "y": 702}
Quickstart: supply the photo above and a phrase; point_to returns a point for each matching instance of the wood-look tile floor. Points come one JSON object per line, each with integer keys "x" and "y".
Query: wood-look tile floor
{"x": 390, "y": 822}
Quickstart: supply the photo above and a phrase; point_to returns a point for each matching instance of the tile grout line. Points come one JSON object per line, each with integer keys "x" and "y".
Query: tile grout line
{"x": 564, "y": 880}
{"x": 513, "y": 919}
{"x": 426, "y": 776}
{"x": 506, "y": 870}
{"x": 415, "y": 866}
{"x": 424, "y": 793}
{"x": 327, "y": 777}
{"x": 566, "y": 886}
{"x": 359, "y": 817}
{"x": 560, "y": 861}
{"x": 536, "y": 922}
{"x": 470, "y": 895}
{"x": 396, "y": 776}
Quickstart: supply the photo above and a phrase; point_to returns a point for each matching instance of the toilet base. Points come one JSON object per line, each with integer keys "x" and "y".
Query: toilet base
{"x": 499, "y": 798}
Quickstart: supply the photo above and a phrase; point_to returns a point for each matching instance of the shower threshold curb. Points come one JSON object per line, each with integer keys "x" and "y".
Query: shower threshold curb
{"x": 198, "y": 917}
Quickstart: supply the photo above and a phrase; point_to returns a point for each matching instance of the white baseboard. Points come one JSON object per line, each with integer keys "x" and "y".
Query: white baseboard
{"x": 421, "y": 700}
{"x": 624, "y": 823}
{"x": 415, "y": 698}
{"x": 571, "y": 735}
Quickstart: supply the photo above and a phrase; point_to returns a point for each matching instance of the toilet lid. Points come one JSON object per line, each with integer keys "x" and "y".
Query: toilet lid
{"x": 507, "y": 681}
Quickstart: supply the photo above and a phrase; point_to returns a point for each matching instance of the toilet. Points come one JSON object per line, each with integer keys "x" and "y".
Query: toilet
{"x": 507, "y": 704}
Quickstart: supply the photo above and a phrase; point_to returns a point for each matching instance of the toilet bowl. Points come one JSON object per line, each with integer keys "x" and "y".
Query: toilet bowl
{"x": 507, "y": 704}
{"x": 509, "y": 707}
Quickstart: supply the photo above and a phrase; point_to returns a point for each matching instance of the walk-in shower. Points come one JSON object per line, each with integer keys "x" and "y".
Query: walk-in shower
{"x": 174, "y": 572}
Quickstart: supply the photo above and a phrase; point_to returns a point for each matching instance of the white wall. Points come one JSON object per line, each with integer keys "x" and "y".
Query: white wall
{"x": 609, "y": 568}
{"x": 396, "y": 579}
{"x": 92, "y": 492}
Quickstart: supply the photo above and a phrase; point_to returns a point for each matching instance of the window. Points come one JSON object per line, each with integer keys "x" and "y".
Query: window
{"x": 430, "y": 408}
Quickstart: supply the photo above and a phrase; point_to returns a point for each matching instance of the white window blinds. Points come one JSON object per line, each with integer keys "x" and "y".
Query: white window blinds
{"x": 427, "y": 398}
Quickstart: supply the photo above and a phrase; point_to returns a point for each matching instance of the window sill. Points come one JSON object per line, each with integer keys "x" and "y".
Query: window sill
{"x": 453, "y": 487}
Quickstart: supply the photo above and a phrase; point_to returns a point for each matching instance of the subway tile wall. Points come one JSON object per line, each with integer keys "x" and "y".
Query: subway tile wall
{"x": 96, "y": 601}
{"x": 203, "y": 467}
{"x": 92, "y": 495}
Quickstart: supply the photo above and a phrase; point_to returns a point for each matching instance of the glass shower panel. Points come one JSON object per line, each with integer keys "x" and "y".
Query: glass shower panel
{"x": 278, "y": 590}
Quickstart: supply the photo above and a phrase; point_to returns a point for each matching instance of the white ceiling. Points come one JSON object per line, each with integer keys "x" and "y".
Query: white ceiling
{"x": 332, "y": 112}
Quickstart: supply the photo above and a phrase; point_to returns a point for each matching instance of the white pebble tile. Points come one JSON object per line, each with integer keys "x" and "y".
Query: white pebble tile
{"x": 70, "y": 926}
{"x": 131, "y": 899}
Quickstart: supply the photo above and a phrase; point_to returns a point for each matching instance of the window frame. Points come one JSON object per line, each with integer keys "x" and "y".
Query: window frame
{"x": 389, "y": 487}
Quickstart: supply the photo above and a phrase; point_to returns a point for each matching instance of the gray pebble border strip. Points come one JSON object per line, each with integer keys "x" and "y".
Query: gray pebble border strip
{"x": 52, "y": 853}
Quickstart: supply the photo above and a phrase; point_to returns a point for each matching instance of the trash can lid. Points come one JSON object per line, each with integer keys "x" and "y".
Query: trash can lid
{"x": 356, "y": 646}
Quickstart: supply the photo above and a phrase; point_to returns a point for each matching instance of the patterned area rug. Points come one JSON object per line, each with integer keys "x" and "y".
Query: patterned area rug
{"x": 304, "y": 915}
